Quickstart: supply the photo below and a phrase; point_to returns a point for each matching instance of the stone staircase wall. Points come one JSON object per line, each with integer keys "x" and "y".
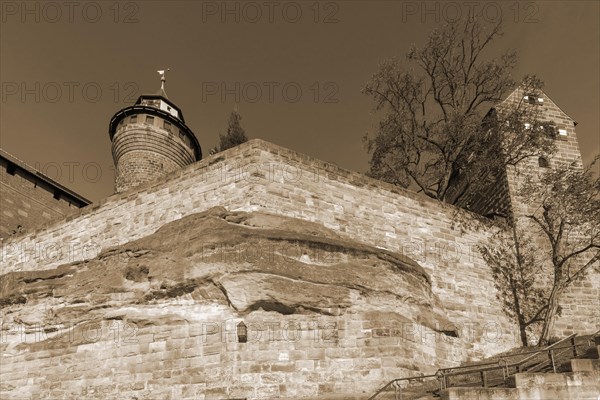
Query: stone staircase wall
{"x": 582, "y": 383}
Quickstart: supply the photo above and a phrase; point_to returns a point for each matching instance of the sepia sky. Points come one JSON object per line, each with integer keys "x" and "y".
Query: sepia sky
{"x": 295, "y": 69}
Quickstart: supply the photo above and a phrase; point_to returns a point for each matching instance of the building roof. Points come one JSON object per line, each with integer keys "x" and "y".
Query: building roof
{"x": 37, "y": 176}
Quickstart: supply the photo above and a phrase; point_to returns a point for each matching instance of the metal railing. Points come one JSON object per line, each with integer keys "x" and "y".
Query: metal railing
{"x": 535, "y": 361}
{"x": 395, "y": 384}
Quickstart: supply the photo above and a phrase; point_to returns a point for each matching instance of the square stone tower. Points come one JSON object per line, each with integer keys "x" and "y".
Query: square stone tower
{"x": 567, "y": 149}
{"x": 504, "y": 198}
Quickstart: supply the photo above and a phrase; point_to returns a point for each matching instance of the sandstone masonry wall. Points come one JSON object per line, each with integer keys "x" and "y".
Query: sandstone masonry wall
{"x": 130, "y": 215}
{"x": 200, "y": 358}
{"x": 262, "y": 176}
{"x": 289, "y": 357}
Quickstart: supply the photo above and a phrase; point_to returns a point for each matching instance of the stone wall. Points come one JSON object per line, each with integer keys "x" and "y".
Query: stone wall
{"x": 24, "y": 203}
{"x": 157, "y": 319}
{"x": 262, "y": 176}
{"x": 259, "y": 176}
{"x": 440, "y": 238}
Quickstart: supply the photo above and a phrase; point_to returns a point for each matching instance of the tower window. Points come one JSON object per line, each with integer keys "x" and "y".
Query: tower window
{"x": 562, "y": 132}
{"x": 133, "y": 119}
{"x": 543, "y": 162}
{"x": 167, "y": 125}
{"x": 149, "y": 120}
{"x": 533, "y": 99}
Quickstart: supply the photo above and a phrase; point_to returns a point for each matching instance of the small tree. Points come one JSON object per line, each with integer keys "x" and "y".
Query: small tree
{"x": 235, "y": 133}
{"x": 568, "y": 218}
{"x": 434, "y": 104}
{"x": 531, "y": 281}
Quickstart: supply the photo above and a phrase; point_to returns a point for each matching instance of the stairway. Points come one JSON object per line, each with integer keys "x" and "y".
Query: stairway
{"x": 582, "y": 383}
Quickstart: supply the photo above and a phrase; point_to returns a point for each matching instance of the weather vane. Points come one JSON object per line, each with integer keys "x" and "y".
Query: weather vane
{"x": 162, "y": 74}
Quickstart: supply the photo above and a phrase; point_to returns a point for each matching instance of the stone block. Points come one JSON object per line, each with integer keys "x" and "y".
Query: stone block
{"x": 580, "y": 365}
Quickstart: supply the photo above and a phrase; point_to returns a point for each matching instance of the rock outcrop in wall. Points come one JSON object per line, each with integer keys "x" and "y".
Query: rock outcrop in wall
{"x": 157, "y": 317}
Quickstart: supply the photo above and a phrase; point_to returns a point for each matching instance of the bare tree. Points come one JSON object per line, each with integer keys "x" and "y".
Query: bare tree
{"x": 434, "y": 128}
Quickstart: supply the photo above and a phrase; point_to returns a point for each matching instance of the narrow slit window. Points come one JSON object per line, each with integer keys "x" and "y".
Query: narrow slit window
{"x": 11, "y": 168}
{"x": 543, "y": 162}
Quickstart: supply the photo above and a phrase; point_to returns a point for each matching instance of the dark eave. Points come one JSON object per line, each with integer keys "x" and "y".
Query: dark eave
{"x": 36, "y": 176}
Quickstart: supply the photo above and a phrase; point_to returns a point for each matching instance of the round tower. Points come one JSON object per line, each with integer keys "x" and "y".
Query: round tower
{"x": 150, "y": 139}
